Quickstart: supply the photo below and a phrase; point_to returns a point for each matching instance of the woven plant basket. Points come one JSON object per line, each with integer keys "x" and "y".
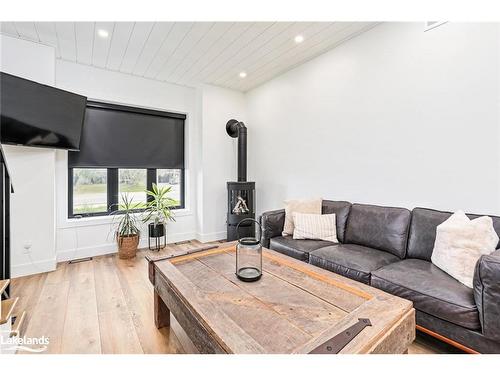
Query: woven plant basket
{"x": 127, "y": 246}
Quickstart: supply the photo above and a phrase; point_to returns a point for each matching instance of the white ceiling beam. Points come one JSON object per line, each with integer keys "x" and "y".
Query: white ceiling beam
{"x": 189, "y": 43}
{"x": 102, "y": 44}
{"x": 27, "y": 30}
{"x": 66, "y": 38}
{"x": 159, "y": 34}
{"x": 120, "y": 39}
{"x": 48, "y": 35}
{"x": 8, "y": 28}
{"x": 174, "y": 38}
{"x": 84, "y": 34}
{"x": 138, "y": 40}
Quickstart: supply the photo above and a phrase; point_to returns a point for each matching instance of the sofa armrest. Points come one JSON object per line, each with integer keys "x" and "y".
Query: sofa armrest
{"x": 487, "y": 294}
{"x": 272, "y": 223}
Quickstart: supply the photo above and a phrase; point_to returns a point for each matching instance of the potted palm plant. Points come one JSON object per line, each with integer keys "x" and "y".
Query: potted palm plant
{"x": 158, "y": 211}
{"x": 126, "y": 227}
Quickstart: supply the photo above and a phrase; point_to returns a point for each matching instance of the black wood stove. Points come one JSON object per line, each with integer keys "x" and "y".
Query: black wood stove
{"x": 241, "y": 193}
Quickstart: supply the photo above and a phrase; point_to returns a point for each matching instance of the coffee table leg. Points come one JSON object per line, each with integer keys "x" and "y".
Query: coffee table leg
{"x": 161, "y": 312}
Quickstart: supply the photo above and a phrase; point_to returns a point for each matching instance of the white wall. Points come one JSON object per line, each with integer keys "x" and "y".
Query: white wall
{"x": 218, "y": 157}
{"x": 32, "y": 169}
{"x": 90, "y": 236}
{"x": 394, "y": 116}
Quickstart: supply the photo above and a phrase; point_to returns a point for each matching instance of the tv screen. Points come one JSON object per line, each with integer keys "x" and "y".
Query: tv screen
{"x": 38, "y": 115}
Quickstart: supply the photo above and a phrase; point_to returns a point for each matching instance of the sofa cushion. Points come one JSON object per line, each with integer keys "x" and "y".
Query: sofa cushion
{"x": 424, "y": 222}
{"x": 382, "y": 228}
{"x": 431, "y": 290}
{"x": 298, "y": 249}
{"x": 353, "y": 261}
{"x": 305, "y": 206}
{"x": 460, "y": 242}
{"x": 315, "y": 227}
{"x": 341, "y": 210}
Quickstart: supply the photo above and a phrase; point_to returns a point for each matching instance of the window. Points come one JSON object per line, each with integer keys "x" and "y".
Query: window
{"x": 173, "y": 178}
{"x": 97, "y": 191}
{"x": 125, "y": 150}
{"x": 90, "y": 192}
{"x": 134, "y": 183}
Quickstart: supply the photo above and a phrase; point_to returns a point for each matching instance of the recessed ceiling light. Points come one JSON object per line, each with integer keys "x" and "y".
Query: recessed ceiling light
{"x": 299, "y": 39}
{"x": 102, "y": 33}
{"x": 243, "y": 74}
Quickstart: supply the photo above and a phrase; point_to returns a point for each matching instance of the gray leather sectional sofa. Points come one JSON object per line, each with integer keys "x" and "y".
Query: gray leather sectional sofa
{"x": 390, "y": 248}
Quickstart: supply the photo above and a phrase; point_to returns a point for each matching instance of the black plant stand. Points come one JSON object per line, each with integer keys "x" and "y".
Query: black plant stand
{"x": 159, "y": 236}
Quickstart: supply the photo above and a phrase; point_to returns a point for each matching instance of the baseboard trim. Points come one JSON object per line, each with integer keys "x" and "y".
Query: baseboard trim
{"x": 103, "y": 249}
{"x": 209, "y": 237}
{"x": 32, "y": 268}
{"x": 110, "y": 248}
{"x": 85, "y": 252}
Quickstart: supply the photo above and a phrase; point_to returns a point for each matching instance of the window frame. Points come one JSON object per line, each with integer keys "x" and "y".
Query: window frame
{"x": 112, "y": 186}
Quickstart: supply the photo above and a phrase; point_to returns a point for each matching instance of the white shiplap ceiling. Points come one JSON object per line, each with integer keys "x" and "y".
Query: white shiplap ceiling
{"x": 190, "y": 53}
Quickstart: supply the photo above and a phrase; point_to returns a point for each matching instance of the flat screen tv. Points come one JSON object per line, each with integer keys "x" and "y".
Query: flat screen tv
{"x": 33, "y": 114}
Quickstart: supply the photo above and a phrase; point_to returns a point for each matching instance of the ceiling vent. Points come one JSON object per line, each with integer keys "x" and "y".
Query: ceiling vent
{"x": 429, "y": 25}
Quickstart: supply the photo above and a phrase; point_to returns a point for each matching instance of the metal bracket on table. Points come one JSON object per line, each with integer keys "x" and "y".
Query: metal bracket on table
{"x": 339, "y": 341}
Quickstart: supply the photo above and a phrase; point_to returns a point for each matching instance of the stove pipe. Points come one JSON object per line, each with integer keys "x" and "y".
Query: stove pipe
{"x": 237, "y": 129}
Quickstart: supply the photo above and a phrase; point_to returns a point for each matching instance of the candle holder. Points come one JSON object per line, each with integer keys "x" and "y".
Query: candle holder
{"x": 249, "y": 255}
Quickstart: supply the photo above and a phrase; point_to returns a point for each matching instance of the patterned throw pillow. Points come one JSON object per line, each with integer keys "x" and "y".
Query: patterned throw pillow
{"x": 459, "y": 244}
{"x": 309, "y": 206}
{"x": 315, "y": 227}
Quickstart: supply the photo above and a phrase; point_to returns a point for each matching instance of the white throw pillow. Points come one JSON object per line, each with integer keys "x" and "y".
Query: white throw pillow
{"x": 459, "y": 244}
{"x": 306, "y": 206}
{"x": 314, "y": 227}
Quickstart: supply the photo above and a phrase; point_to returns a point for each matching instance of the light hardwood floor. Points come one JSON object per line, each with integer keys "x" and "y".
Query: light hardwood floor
{"x": 106, "y": 306}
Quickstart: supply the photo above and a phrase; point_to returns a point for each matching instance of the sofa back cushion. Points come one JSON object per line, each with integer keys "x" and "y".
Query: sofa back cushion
{"x": 383, "y": 228}
{"x": 424, "y": 222}
{"x": 341, "y": 210}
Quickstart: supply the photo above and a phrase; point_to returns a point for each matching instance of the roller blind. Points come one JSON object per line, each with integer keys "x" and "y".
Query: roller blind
{"x": 116, "y": 136}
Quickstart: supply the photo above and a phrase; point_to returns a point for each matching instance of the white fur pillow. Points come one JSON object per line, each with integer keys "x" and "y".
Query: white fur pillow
{"x": 459, "y": 244}
{"x": 307, "y": 206}
{"x": 314, "y": 227}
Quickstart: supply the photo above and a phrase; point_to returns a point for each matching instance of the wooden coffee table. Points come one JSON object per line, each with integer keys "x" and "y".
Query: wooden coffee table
{"x": 294, "y": 308}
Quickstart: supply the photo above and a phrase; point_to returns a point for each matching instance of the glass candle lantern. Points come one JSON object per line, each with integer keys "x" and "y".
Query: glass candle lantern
{"x": 249, "y": 256}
